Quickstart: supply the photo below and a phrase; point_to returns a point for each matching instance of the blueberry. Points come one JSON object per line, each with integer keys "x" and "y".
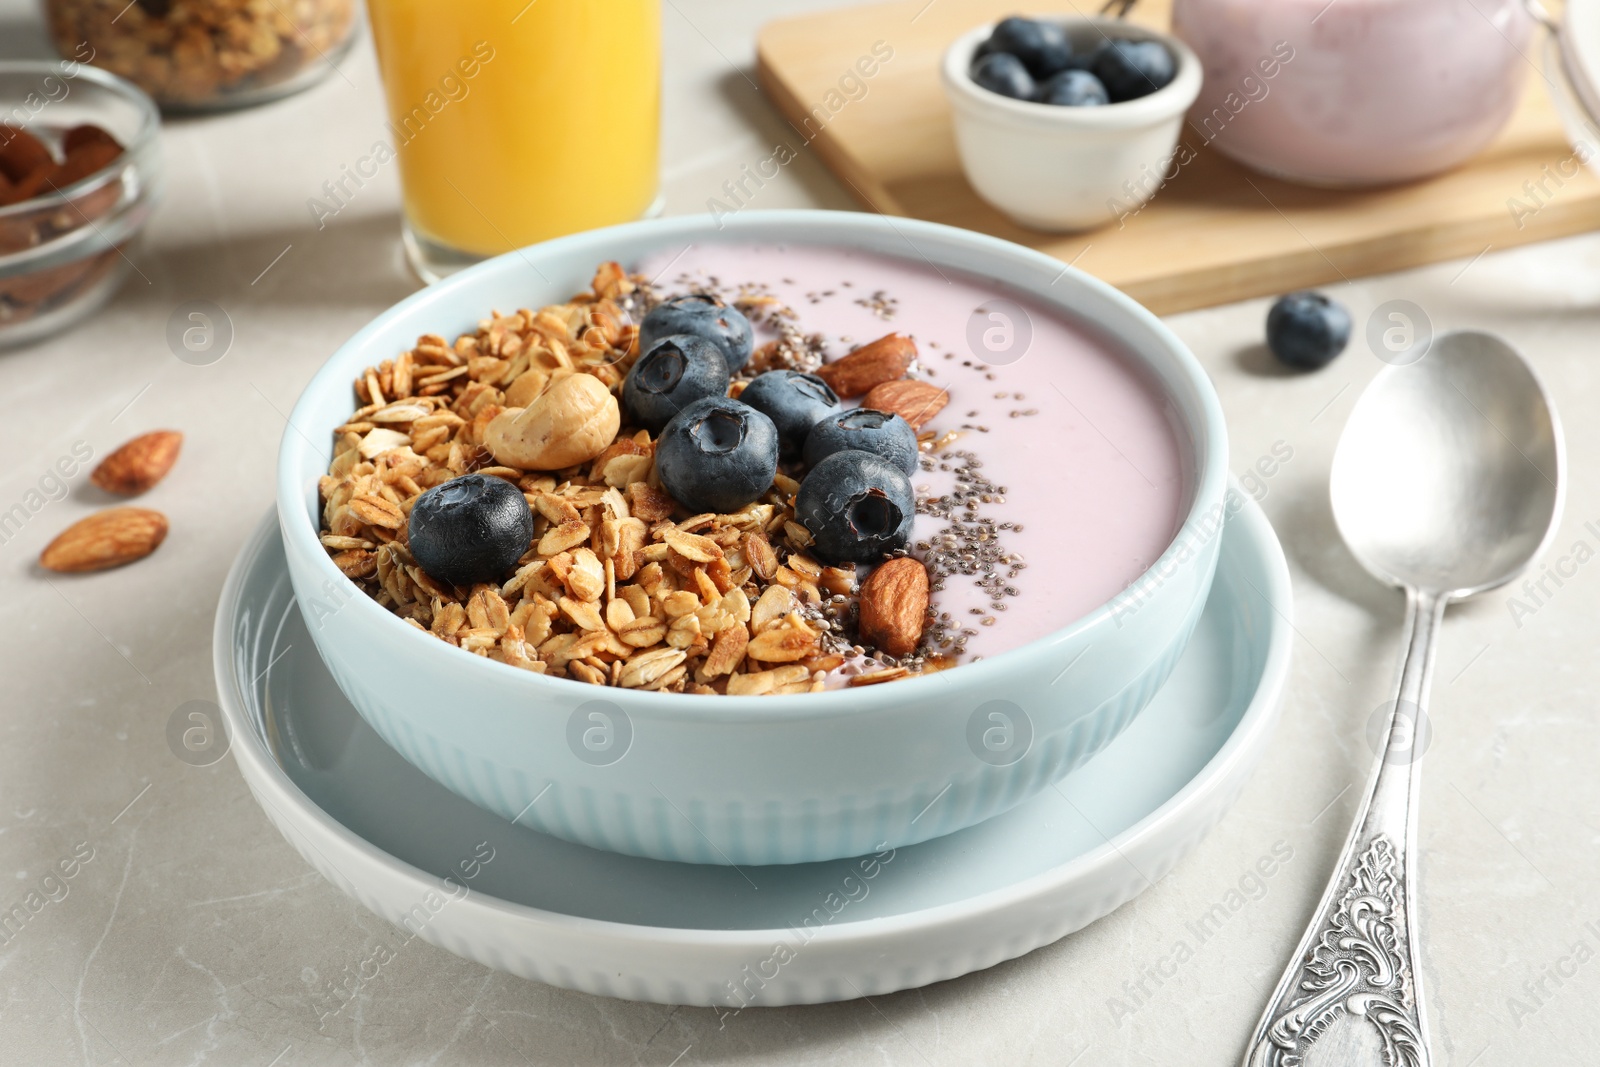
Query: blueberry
{"x": 1042, "y": 46}
{"x": 704, "y": 316}
{"x": 857, "y": 506}
{"x": 1074, "y": 88}
{"x": 794, "y": 402}
{"x": 717, "y": 455}
{"x": 865, "y": 430}
{"x": 1306, "y": 330}
{"x": 470, "y": 529}
{"x": 1003, "y": 73}
{"x": 672, "y": 374}
{"x": 1131, "y": 69}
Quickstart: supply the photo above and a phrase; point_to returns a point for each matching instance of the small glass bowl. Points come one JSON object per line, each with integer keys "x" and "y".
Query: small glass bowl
{"x": 64, "y": 253}
{"x": 207, "y": 55}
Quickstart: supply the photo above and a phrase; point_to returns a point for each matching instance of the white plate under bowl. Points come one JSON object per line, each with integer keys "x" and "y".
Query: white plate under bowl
{"x": 678, "y": 933}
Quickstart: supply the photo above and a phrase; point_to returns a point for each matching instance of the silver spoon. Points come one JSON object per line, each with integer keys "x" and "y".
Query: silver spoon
{"x": 1447, "y": 482}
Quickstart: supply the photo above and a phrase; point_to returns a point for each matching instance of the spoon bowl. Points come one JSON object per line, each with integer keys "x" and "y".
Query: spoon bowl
{"x": 1448, "y": 476}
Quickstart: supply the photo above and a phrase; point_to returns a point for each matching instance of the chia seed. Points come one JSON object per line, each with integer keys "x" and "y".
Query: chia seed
{"x": 970, "y": 544}
{"x": 880, "y": 304}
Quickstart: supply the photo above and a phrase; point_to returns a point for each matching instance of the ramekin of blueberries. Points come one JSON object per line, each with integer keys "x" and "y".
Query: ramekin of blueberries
{"x": 1067, "y": 124}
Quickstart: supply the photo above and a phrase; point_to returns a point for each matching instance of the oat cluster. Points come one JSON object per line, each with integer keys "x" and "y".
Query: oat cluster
{"x": 618, "y": 586}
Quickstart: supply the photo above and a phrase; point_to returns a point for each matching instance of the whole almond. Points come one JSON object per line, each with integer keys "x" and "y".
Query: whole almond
{"x": 83, "y": 160}
{"x": 883, "y": 360}
{"x": 107, "y": 538}
{"x": 914, "y": 401}
{"x": 21, "y": 153}
{"x": 139, "y": 464}
{"x": 894, "y": 606}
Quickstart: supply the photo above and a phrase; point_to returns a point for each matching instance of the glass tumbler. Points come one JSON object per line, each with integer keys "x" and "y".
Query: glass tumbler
{"x": 515, "y": 121}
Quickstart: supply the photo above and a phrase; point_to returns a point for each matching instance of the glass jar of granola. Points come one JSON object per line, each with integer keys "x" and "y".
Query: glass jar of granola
{"x": 201, "y": 55}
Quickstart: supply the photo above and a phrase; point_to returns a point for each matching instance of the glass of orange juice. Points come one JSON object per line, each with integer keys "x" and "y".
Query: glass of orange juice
{"x": 515, "y": 121}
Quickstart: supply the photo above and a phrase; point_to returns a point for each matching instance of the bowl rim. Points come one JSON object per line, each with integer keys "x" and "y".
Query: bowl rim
{"x": 1170, "y": 100}
{"x": 149, "y": 130}
{"x": 1206, "y": 494}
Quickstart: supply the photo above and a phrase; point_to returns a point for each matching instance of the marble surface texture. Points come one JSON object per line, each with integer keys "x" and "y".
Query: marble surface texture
{"x": 194, "y": 934}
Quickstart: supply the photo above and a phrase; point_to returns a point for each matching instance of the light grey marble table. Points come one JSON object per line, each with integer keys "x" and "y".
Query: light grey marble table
{"x": 192, "y": 933}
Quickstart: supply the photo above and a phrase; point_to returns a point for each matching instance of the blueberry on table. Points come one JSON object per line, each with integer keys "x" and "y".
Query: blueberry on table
{"x": 1003, "y": 73}
{"x": 794, "y": 402}
{"x": 672, "y": 374}
{"x": 717, "y": 455}
{"x": 1042, "y": 46}
{"x": 885, "y": 435}
{"x": 1074, "y": 88}
{"x": 1131, "y": 69}
{"x": 1306, "y": 330}
{"x": 470, "y": 529}
{"x": 700, "y": 315}
{"x": 857, "y": 506}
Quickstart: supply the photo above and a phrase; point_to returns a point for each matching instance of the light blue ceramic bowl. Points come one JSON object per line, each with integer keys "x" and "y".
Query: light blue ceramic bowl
{"x": 755, "y": 780}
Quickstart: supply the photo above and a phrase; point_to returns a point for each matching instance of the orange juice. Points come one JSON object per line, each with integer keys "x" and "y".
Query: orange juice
{"x": 520, "y": 120}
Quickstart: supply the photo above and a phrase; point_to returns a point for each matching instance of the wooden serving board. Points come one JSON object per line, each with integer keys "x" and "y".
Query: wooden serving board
{"x": 1214, "y": 234}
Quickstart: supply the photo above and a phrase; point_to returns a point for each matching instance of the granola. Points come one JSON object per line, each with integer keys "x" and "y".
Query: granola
{"x": 195, "y": 53}
{"x": 619, "y": 586}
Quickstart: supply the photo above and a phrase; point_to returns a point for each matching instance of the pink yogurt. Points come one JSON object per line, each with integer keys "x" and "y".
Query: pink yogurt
{"x": 1095, "y": 476}
{"x": 1354, "y": 92}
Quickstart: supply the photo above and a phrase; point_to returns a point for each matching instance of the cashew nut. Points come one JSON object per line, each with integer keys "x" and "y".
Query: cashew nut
{"x": 573, "y": 420}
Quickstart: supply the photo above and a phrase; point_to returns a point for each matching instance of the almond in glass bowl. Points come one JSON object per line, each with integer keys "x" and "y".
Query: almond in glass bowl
{"x": 81, "y": 171}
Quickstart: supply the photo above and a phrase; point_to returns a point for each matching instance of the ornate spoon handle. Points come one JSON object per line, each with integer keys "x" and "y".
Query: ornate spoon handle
{"x": 1352, "y": 985}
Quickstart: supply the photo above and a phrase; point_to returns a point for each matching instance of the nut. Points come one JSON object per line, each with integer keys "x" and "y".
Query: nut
{"x": 883, "y": 360}
{"x": 894, "y": 606}
{"x": 139, "y": 464}
{"x": 527, "y": 387}
{"x": 108, "y": 538}
{"x": 571, "y": 422}
{"x": 914, "y": 401}
{"x": 21, "y": 153}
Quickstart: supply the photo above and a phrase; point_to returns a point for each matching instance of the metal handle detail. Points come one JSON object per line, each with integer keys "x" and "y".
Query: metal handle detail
{"x": 1352, "y": 984}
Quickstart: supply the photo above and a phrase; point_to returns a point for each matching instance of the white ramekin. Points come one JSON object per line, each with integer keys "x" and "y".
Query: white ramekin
{"x": 1063, "y": 169}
